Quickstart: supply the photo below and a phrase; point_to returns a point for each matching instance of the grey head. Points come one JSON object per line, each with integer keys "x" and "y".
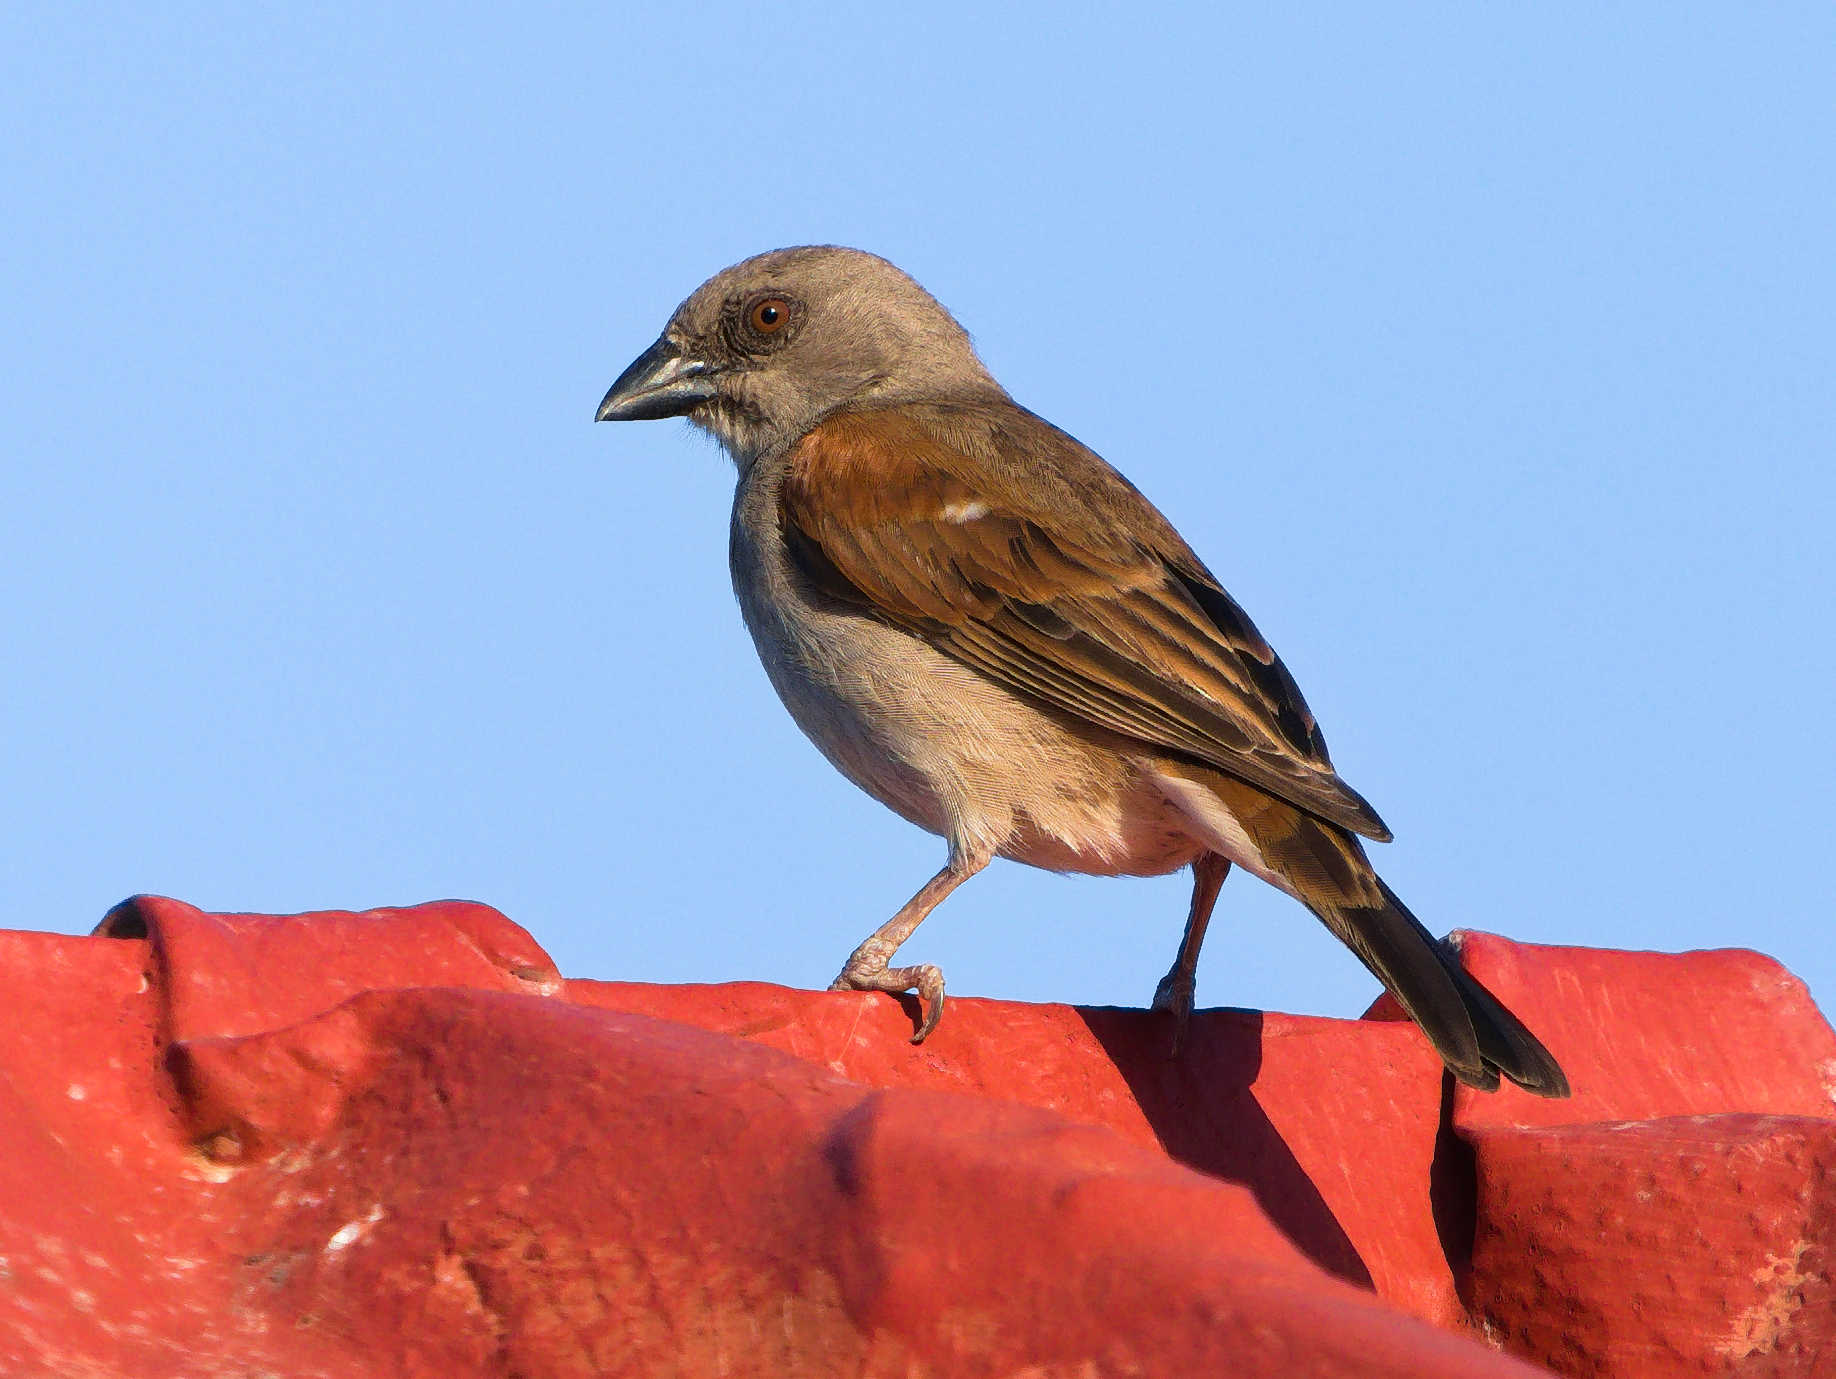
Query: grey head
{"x": 763, "y": 350}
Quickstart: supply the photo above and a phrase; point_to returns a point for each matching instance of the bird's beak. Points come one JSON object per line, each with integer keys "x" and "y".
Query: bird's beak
{"x": 661, "y": 382}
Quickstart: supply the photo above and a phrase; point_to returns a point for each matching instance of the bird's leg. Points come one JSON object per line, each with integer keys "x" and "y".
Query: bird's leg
{"x": 1176, "y": 988}
{"x": 866, "y": 968}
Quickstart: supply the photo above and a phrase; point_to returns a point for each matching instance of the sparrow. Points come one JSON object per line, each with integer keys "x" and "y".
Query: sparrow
{"x": 988, "y": 629}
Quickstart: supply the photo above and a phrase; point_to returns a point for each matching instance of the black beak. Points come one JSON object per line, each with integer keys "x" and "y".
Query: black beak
{"x": 661, "y": 382}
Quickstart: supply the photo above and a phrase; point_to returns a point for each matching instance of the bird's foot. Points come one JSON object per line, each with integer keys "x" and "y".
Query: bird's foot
{"x": 864, "y": 973}
{"x": 1174, "y": 995}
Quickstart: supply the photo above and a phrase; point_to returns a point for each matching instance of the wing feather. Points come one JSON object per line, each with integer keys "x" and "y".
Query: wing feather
{"x": 1009, "y": 546}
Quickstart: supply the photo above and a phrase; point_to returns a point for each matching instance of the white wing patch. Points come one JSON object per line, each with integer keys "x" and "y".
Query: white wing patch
{"x": 964, "y": 512}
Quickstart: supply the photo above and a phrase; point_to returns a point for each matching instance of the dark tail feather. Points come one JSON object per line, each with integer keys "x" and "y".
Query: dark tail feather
{"x": 1469, "y": 1027}
{"x": 1504, "y": 1042}
{"x": 1326, "y": 868}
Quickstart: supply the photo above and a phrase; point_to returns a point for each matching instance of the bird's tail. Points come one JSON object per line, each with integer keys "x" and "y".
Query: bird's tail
{"x": 1325, "y": 868}
{"x": 1460, "y": 1017}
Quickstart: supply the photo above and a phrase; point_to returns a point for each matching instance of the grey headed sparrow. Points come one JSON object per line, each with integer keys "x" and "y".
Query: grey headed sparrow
{"x": 987, "y": 628}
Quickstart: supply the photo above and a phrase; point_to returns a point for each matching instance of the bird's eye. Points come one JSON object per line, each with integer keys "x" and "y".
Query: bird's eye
{"x": 769, "y": 315}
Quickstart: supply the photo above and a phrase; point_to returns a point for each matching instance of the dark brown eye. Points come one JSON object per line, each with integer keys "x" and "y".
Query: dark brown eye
{"x": 769, "y": 316}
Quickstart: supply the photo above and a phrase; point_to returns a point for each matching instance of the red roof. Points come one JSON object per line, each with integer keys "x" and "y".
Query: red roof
{"x": 399, "y": 1143}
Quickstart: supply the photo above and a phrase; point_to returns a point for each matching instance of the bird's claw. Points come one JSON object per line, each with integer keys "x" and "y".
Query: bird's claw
{"x": 925, "y": 978}
{"x": 1175, "y": 996}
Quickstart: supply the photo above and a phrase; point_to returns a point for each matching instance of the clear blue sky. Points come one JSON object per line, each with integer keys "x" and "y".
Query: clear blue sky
{"x": 1485, "y": 353}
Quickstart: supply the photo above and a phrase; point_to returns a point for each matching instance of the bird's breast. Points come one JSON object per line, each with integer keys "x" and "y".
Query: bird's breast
{"x": 941, "y": 745}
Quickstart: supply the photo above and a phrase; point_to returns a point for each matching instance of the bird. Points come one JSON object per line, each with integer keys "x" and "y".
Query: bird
{"x": 987, "y": 628}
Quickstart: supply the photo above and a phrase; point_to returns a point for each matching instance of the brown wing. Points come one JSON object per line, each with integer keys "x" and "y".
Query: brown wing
{"x": 1005, "y": 543}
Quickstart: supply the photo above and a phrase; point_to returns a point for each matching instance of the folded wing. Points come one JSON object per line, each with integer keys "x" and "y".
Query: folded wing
{"x": 1006, "y": 544}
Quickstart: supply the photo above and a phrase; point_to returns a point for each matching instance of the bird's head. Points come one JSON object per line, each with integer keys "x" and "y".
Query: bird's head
{"x": 763, "y": 350}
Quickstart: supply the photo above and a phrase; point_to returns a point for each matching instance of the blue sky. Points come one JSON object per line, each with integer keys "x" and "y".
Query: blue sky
{"x": 1485, "y": 354}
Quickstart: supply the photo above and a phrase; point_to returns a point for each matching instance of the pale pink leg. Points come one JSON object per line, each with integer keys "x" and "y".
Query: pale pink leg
{"x": 866, "y": 968}
{"x": 1176, "y": 989}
